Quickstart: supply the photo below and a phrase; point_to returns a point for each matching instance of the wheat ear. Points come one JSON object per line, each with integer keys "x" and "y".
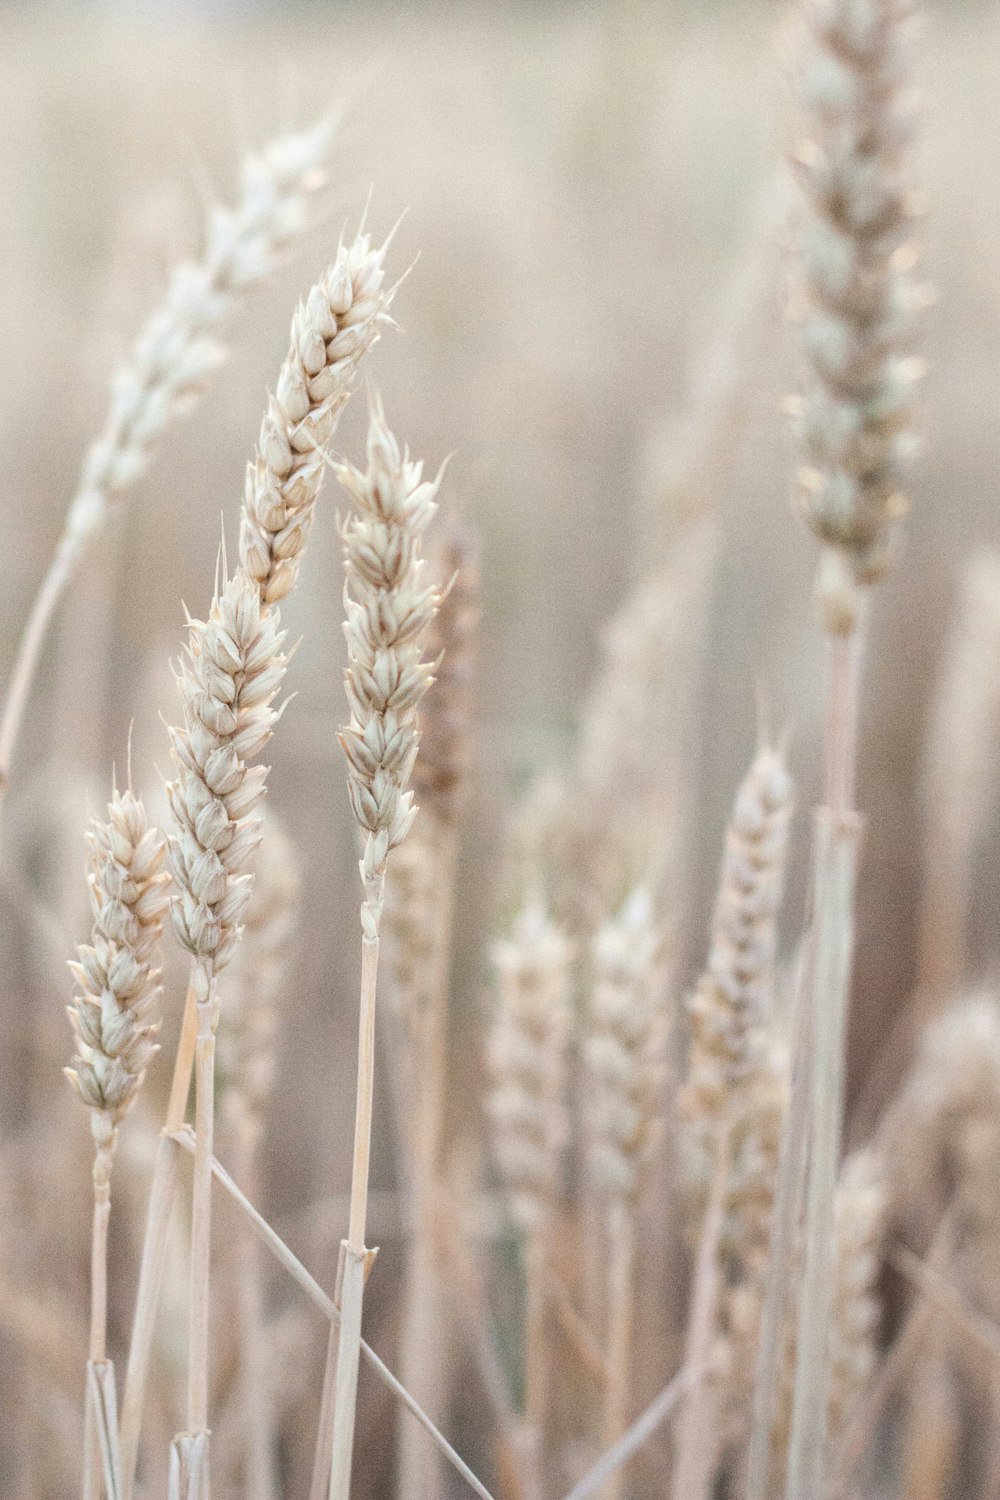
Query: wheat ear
{"x": 232, "y": 669}
{"x": 527, "y": 1060}
{"x": 389, "y": 608}
{"x": 624, "y": 1054}
{"x": 727, "y": 1012}
{"x": 440, "y": 786}
{"x": 251, "y": 994}
{"x": 859, "y": 308}
{"x": 115, "y": 1021}
{"x": 174, "y": 354}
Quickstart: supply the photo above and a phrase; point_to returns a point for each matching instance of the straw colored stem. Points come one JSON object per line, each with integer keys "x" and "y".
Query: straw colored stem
{"x": 320, "y": 1485}
{"x": 201, "y": 1211}
{"x": 185, "y": 1139}
{"x": 784, "y": 1221}
{"x": 348, "y": 1354}
{"x": 92, "y": 1467}
{"x": 364, "y": 1100}
{"x": 836, "y": 847}
{"x": 154, "y": 1246}
{"x": 657, "y": 1412}
{"x": 261, "y": 1481}
{"x": 53, "y": 586}
{"x": 621, "y": 1325}
{"x": 694, "y": 1462}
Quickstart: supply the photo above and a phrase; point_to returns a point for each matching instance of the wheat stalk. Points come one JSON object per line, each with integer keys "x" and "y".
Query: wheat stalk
{"x": 858, "y": 305}
{"x": 232, "y": 669}
{"x": 251, "y": 995}
{"x": 721, "y": 1096}
{"x": 440, "y": 785}
{"x": 527, "y": 1060}
{"x": 114, "y": 1020}
{"x": 173, "y": 356}
{"x": 624, "y": 1053}
{"x": 388, "y": 610}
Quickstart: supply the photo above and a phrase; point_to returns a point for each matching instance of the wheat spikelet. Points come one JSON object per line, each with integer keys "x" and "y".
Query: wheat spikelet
{"x": 527, "y": 1060}
{"x": 114, "y": 1021}
{"x": 331, "y": 332}
{"x": 624, "y": 1054}
{"x": 423, "y": 867}
{"x": 857, "y": 297}
{"x": 860, "y": 1218}
{"x": 725, "y": 1096}
{"x": 527, "y": 1066}
{"x": 746, "y": 1242}
{"x": 172, "y": 357}
{"x": 388, "y": 610}
{"x": 625, "y": 1049}
{"x": 232, "y": 668}
{"x": 860, "y": 1224}
{"x": 114, "y": 1011}
{"x": 441, "y": 770}
{"x": 734, "y": 994}
{"x": 177, "y": 348}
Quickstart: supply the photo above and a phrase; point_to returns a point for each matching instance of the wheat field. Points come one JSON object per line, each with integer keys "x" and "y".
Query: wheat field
{"x": 500, "y": 717}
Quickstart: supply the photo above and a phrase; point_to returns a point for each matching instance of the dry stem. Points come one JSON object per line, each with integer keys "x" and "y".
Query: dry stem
{"x": 696, "y": 1450}
{"x": 355, "y": 1252}
{"x": 621, "y": 1329}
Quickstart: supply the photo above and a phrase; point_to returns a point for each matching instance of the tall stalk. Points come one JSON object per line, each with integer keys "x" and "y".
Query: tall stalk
{"x": 388, "y": 611}
{"x": 858, "y": 305}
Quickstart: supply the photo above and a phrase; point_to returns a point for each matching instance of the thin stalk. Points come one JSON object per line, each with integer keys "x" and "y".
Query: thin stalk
{"x": 185, "y": 1140}
{"x": 201, "y": 1207}
{"x": 536, "y": 1351}
{"x": 836, "y": 851}
{"x": 696, "y": 1450}
{"x": 154, "y": 1247}
{"x": 53, "y": 586}
{"x": 319, "y": 1486}
{"x": 657, "y": 1412}
{"x": 355, "y": 1255}
{"x": 260, "y": 1478}
{"x": 784, "y": 1222}
{"x": 621, "y": 1329}
{"x": 97, "y": 1349}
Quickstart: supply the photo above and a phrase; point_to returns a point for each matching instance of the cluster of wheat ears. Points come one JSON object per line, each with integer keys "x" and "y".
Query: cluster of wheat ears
{"x": 705, "y": 1118}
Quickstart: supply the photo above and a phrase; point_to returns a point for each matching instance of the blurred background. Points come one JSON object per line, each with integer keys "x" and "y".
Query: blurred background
{"x": 596, "y": 243}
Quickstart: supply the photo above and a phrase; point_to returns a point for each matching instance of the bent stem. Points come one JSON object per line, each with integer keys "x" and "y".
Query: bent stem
{"x": 355, "y": 1254}
{"x": 154, "y": 1245}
